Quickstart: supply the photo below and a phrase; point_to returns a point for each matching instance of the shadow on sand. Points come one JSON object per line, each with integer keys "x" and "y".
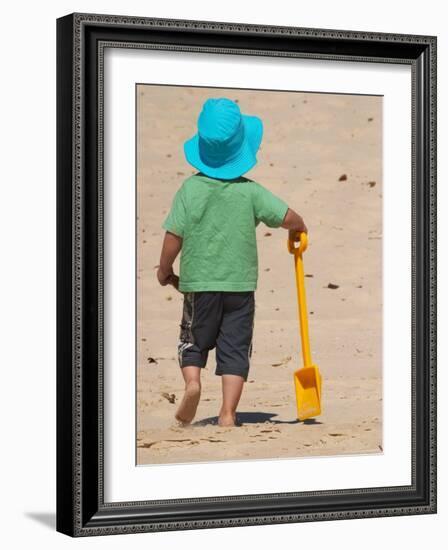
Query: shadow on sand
{"x": 255, "y": 418}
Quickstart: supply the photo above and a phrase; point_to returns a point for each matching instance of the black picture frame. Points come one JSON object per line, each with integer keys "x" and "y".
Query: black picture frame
{"x": 81, "y": 510}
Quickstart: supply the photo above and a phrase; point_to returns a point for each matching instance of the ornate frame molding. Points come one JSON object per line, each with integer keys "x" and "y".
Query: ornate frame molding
{"x": 81, "y": 507}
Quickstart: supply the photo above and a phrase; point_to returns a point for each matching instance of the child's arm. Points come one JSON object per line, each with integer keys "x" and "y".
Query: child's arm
{"x": 171, "y": 247}
{"x": 295, "y": 224}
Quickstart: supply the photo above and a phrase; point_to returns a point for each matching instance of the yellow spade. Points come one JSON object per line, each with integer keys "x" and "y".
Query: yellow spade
{"x": 307, "y": 380}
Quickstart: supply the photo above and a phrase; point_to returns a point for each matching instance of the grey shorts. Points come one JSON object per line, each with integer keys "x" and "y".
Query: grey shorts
{"x": 221, "y": 320}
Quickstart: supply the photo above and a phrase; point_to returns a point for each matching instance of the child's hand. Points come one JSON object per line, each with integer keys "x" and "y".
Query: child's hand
{"x": 295, "y": 224}
{"x": 294, "y": 234}
{"x": 167, "y": 278}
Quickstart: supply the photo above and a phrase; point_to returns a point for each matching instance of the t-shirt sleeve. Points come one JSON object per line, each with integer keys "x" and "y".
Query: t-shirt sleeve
{"x": 176, "y": 219}
{"x": 269, "y": 208}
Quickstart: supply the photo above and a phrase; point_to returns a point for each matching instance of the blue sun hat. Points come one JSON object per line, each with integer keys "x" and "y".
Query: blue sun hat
{"x": 227, "y": 141}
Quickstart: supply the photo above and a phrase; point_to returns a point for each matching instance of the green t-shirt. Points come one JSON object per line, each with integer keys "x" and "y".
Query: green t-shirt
{"x": 217, "y": 220}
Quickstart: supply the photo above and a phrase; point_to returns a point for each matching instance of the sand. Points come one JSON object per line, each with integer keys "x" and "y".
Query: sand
{"x": 310, "y": 141}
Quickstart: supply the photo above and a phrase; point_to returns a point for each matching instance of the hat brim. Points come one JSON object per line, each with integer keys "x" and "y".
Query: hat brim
{"x": 241, "y": 163}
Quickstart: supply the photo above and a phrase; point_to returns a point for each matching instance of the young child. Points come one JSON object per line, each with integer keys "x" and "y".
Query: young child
{"x": 212, "y": 220}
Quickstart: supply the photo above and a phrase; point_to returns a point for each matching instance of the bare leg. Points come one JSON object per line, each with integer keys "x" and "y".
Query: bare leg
{"x": 187, "y": 408}
{"x": 232, "y": 387}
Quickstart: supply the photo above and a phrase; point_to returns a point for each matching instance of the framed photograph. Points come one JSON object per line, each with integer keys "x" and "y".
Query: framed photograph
{"x": 246, "y": 274}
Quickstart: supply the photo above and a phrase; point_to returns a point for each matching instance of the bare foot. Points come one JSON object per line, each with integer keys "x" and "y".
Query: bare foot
{"x": 187, "y": 408}
{"x": 227, "y": 419}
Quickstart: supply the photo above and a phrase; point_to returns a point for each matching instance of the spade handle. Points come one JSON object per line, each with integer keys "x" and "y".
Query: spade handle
{"x": 301, "y": 295}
